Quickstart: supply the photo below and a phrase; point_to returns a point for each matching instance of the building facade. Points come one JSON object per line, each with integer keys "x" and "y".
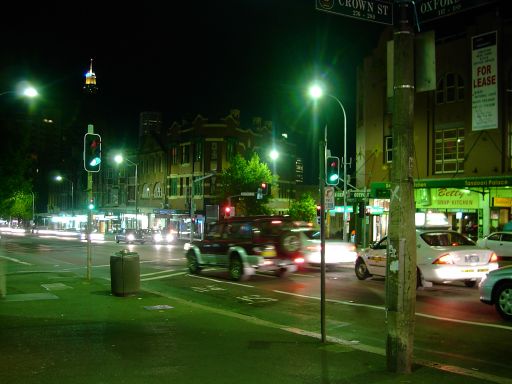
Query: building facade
{"x": 462, "y": 124}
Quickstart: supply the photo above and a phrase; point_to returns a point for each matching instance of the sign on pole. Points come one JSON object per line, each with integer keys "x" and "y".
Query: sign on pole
{"x": 329, "y": 198}
{"x": 377, "y": 11}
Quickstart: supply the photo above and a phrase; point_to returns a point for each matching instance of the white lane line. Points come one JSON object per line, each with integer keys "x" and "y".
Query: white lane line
{"x": 15, "y": 260}
{"x": 499, "y": 326}
{"x": 331, "y": 300}
{"x": 163, "y": 276}
{"x": 221, "y": 281}
{"x": 157, "y": 273}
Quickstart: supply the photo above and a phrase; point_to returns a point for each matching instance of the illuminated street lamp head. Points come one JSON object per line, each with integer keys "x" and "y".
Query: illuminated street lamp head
{"x": 315, "y": 91}
{"x": 58, "y": 178}
{"x": 274, "y": 154}
{"x": 30, "y": 92}
{"x": 118, "y": 159}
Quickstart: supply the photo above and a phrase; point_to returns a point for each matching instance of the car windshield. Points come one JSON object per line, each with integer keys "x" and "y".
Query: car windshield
{"x": 452, "y": 239}
{"x": 312, "y": 235}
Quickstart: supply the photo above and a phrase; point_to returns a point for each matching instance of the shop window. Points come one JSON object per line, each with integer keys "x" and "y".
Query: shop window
{"x": 173, "y": 186}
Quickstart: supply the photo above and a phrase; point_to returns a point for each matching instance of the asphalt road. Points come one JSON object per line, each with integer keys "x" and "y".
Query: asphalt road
{"x": 452, "y": 326}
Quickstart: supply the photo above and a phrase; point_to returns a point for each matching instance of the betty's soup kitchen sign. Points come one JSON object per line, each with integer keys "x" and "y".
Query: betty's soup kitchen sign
{"x": 446, "y": 198}
{"x": 485, "y": 81}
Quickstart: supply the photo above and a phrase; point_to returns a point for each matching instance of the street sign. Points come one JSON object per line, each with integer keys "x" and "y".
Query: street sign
{"x": 429, "y": 10}
{"x": 329, "y": 197}
{"x": 377, "y": 11}
{"x": 248, "y": 194}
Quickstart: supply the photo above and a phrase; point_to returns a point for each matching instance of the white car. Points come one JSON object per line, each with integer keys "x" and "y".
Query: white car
{"x": 499, "y": 242}
{"x": 336, "y": 251}
{"x": 442, "y": 256}
{"x": 496, "y": 289}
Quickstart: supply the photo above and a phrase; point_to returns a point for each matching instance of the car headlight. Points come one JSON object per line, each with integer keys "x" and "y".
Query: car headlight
{"x": 157, "y": 237}
{"x": 130, "y": 237}
{"x": 170, "y": 237}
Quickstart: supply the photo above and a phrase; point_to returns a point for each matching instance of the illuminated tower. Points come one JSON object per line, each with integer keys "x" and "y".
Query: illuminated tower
{"x": 90, "y": 86}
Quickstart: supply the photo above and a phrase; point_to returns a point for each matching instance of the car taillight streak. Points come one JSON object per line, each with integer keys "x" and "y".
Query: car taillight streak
{"x": 493, "y": 258}
{"x": 444, "y": 259}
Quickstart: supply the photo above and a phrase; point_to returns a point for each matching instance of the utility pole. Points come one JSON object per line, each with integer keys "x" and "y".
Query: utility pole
{"x": 322, "y": 145}
{"x": 401, "y": 252}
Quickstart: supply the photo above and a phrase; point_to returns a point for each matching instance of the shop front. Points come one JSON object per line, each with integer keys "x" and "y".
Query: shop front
{"x": 474, "y": 206}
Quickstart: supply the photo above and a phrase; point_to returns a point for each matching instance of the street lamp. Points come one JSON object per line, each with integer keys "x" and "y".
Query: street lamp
{"x": 316, "y": 92}
{"x": 59, "y": 178}
{"x": 24, "y": 91}
{"x": 119, "y": 159}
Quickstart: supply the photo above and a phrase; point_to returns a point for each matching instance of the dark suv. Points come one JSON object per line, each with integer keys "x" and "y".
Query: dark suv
{"x": 245, "y": 245}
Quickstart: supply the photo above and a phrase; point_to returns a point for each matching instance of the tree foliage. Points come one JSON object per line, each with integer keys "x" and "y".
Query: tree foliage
{"x": 245, "y": 176}
{"x": 303, "y": 209}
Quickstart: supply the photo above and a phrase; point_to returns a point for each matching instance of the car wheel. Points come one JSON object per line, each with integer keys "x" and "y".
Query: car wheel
{"x": 470, "y": 283}
{"x": 361, "y": 269}
{"x": 503, "y": 300}
{"x": 290, "y": 243}
{"x": 283, "y": 272}
{"x": 117, "y": 241}
{"x": 236, "y": 268}
{"x": 193, "y": 263}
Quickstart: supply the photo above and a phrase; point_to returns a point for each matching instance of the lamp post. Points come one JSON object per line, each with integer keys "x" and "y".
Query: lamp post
{"x": 33, "y": 207}
{"x": 317, "y": 92}
{"x": 59, "y": 178}
{"x": 119, "y": 159}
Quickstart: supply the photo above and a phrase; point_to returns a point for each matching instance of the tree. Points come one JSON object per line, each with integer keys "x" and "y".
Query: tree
{"x": 245, "y": 176}
{"x": 303, "y": 209}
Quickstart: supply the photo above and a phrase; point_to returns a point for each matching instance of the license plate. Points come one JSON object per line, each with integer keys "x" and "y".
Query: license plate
{"x": 483, "y": 270}
{"x": 268, "y": 253}
{"x": 472, "y": 259}
{"x": 468, "y": 270}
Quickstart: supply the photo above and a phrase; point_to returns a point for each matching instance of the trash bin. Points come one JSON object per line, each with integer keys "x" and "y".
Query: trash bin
{"x": 124, "y": 273}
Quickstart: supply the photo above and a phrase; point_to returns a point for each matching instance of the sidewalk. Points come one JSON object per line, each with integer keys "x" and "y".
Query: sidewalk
{"x": 74, "y": 331}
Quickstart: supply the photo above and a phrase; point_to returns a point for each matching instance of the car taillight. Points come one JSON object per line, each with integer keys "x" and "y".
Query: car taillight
{"x": 299, "y": 260}
{"x": 493, "y": 258}
{"x": 444, "y": 259}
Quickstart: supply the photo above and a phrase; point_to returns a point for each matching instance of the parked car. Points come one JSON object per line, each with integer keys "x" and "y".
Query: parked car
{"x": 336, "y": 251}
{"x": 496, "y": 289}
{"x": 245, "y": 245}
{"x": 130, "y": 236}
{"x": 500, "y": 243}
{"x": 442, "y": 256}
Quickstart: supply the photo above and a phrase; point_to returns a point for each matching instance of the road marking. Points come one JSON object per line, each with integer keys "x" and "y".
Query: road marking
{"x": 221, "y": 281}
{"x": 353, "y": 344}
{"x": 508, "y": 328}
{"x": 163, "y": 276}
{"x": 157, "y": 273}
{"x": 331, "y": 300}
{"x": 15, "y": 260}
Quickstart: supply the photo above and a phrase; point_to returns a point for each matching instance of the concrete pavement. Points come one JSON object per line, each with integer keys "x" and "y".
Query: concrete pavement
{"x": 61, "y": 328}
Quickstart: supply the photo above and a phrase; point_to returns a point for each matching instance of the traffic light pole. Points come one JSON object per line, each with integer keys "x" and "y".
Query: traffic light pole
{"x": 321, "y": 186}
{"x": 90, "y": 129}
{"x": 401, "y": 252}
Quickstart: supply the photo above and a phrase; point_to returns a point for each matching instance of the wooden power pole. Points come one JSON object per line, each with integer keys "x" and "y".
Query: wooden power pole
{"x": 401, "y": 252}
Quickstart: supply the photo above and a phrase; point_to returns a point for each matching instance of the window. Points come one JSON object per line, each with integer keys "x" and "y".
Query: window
{"x": 185, "y": 154}
{"x": 388, "y": 149}
{"x": 230, "y": 149}
{"x": 174, "y": 155}
{"x": 198, "y": 151}
{"x": 214, "y": 150}
{"x": 450, "y": 88}
{"x": 449, "y": 150}
{"x": 157, "y": 192}
{"x": 145, "y": 191}
{"x": 173, "y": 186}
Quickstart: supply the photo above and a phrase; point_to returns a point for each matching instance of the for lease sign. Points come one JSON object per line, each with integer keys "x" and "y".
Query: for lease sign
{"x": 484, "y": 82}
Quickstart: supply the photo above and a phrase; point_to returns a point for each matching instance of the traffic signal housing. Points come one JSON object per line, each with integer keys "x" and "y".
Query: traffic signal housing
{"x": 92, "y": 152}
{"x": 264, "y": 188}
{"x": 332, "y": 170}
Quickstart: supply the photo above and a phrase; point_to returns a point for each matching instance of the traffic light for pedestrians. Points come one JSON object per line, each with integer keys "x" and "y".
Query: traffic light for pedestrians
{"x": 332, "y": 170}
{"x": 92, "y": 152}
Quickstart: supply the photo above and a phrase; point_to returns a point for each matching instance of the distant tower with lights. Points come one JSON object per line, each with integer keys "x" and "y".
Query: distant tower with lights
{"x": 90, "y": 86}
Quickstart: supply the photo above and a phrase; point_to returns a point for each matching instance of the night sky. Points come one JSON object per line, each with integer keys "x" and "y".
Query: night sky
{"x": 188, "y": 58}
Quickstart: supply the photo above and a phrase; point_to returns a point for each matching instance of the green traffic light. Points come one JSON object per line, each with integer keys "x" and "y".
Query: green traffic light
{"x": 333, "y": 178}
{"x": 95, "y": 161}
